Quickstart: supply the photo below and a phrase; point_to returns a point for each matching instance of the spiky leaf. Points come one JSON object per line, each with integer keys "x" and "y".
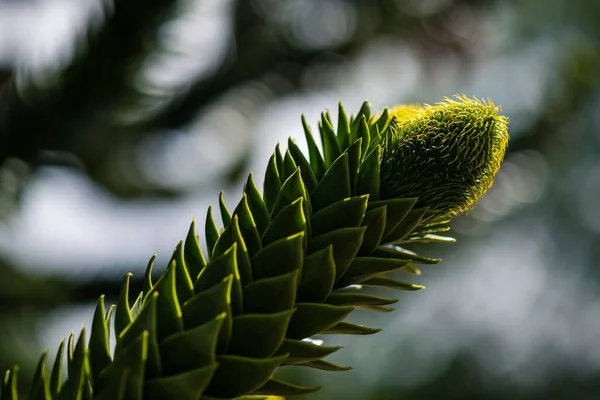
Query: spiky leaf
{"x": 290, "y": 264}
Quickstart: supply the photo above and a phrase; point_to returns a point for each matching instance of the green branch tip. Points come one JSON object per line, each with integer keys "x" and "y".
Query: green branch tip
{"x": 446, "y": 154}
{"x": 289, "y": 263}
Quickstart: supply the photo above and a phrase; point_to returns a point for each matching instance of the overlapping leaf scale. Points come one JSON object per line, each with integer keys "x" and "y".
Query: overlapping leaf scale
{"x": 288, "y": 264}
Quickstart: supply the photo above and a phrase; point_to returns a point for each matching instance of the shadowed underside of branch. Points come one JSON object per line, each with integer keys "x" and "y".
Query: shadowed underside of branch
{"x": 288, "y": 263}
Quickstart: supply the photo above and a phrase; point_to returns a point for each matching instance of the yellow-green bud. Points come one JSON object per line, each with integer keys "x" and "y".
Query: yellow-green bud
{"x": 446, "y": 154}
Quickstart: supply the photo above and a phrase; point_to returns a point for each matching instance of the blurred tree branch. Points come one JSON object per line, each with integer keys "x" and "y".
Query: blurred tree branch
{"x": 75, "y": 114}
{"x": 256, "y": 52}
{"x": 253, "y": 54}
{"x": 21, "y": 290}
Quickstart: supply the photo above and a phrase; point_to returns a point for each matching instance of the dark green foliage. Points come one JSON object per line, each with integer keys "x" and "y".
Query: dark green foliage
{"x": 285, "y": 266}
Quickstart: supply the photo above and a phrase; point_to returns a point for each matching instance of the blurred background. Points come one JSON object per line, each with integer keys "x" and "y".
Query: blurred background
{"x": 121, "y": 120}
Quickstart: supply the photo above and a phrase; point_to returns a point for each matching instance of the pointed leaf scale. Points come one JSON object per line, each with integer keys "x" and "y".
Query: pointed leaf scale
{"x": 276, "y": 387}
{"x": 365, "y": 111}
{"x": 243, "y": 258}
{"x": 131, "y": 360}
{"x": 365, "y": 268}
{"x": 383, "y": 121}
{"x": 354, "y": 165}
{"x": 168, "y": 311}
{"x": 279, "y": 161}
{"x": 412, "y": 269}
{"x": 422, "y": 233}
{"x": 207, "y": 306}
{"x": 271, "y": 295}
{"x": 375, "y": 308}
{"x": 343, "y": 128}
{"x": 9, "y": 384}
{"x": 145, "y": 322}
{"x": 236, "y": 375}
{"x": 147, "y": 284}
{"x": 185, "y": 386}
{"x": 334, "y": 186}
{"x": 384, "y": 281}
{"x": 346, "y": 213}
{"x": 318, "y": 276}
{"x": 211, "y": 231}
{"x": 289, "y": 221}
{"x": 331, "y": 149}
{"x": 217, "y": 270}
{"x": 247, "y": 226}
{"x": 428, "y": 238}
{"x": 292, "y": 189}
{"x": 56, "y": 375}
{"x": 426, "y": 226}
{"x": 326, "y": 366}
{"x": 77, "y": 371}
{"x": 70, "y": 349}
{"x": 225, "y": 214}
{"x": 316, "y": 160}
{"x": 39, "y": 387}
{"x": 328, "y": 118}
{"x": 99, "y": 348}
{"x": 358, "y": 300}
{"x": 402, "y": 254}
{"x": 301, "y": 351}
{"x": 347, "y": 328}
{"x": 258, "y": 335}
{"x": 123, "y": 315}
{"x": 183, "y": 282}
{"x": 397, "y": 211}
{"x": 194, "y": 258}
{"x": 313, "y": 318}
{"x": 408, "y": 224}
{"x": 280, "y": 257}
{"x": 191, "y": 349}
{"x": 375, "y": 221}
{"x": 289, "y": 166}
{"x": 365, "y": 135}
{"x": 368, "y": 175}
{"x": 437, "y": 222}
{"x": 272, "y": 184}
{"x": 345, "y": 241}
{"x": 137, "y": 305}
{"x": 108, "y": 316}
{"x": 231, "y": 235}
{"x": 308, "y": 176}
{"x": 257, "y": 206}
{"x": 376, "y": 138}
{"x": 79, "y": 366}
